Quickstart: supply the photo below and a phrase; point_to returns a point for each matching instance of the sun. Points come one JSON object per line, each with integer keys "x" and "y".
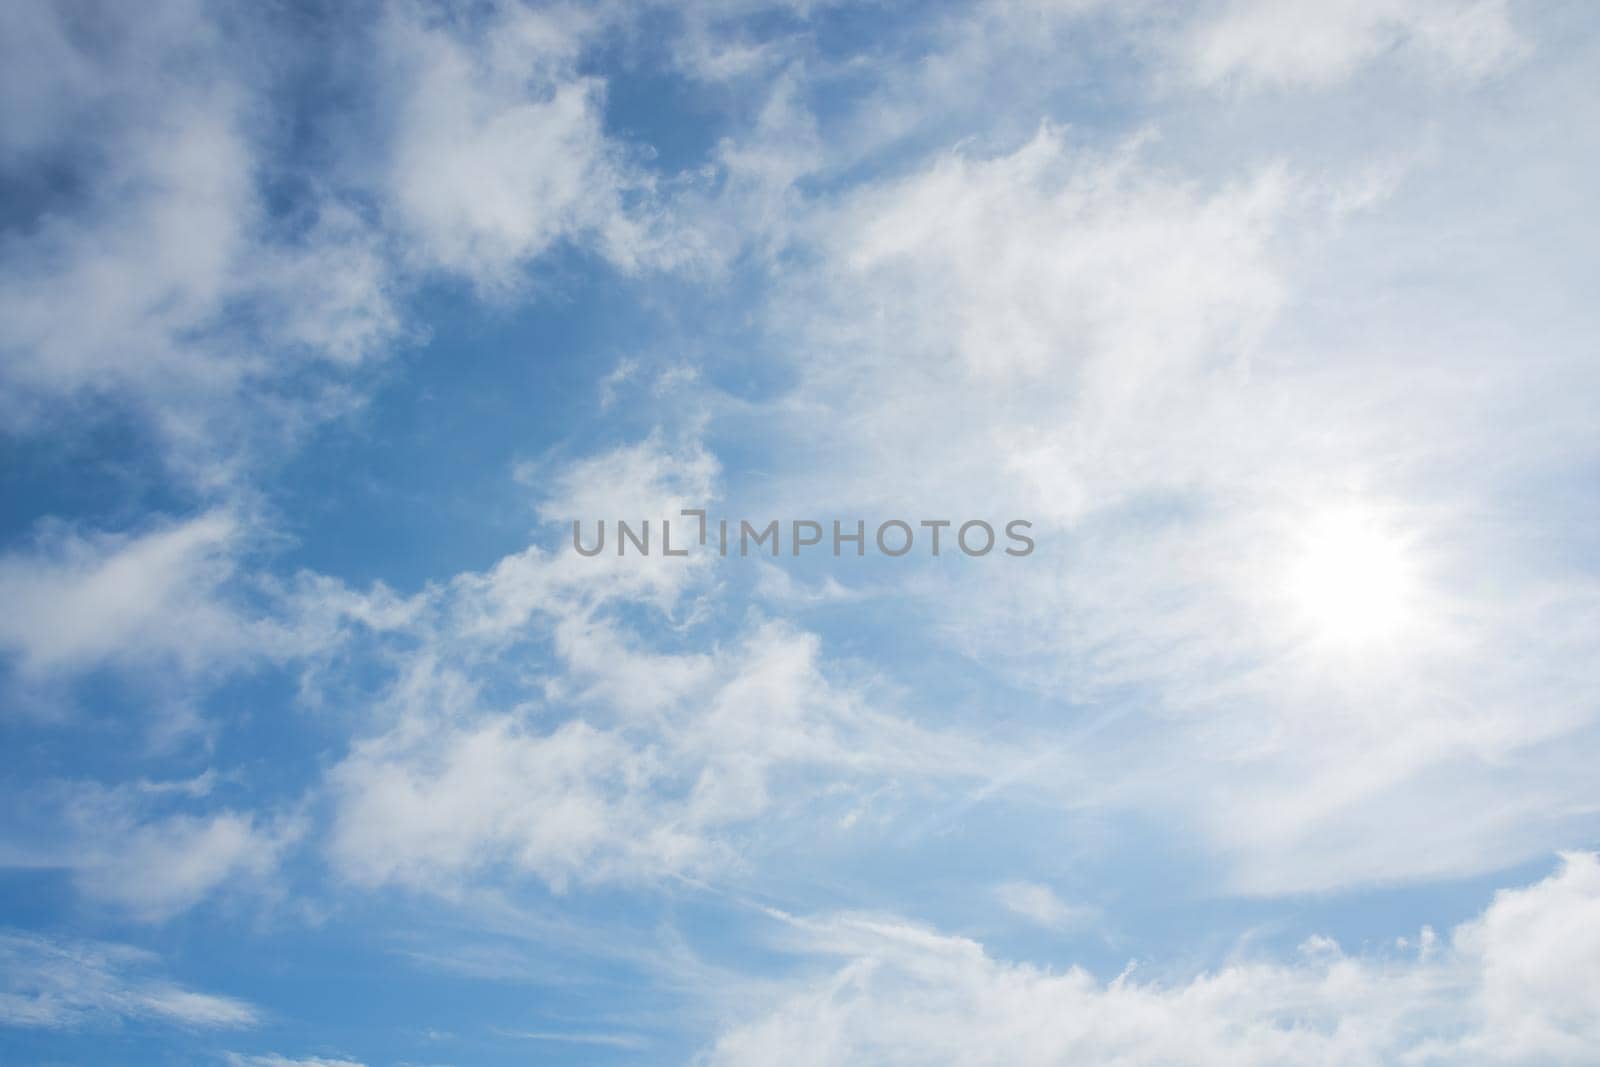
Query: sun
{"x": 1351, "y": 579}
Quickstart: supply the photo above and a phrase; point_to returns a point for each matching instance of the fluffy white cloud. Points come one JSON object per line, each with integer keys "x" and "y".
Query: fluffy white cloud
{"x": 669, "y": 756}
{"x": 602, "y": 753}
{"x": 1507, "y": 988}
{"x": 499, "y": 149}
{"x": 1534, "y": 956}
{"x": 164, "y": 273}
{"x": 46, "y": 982}
{"x": 152, "y": 274}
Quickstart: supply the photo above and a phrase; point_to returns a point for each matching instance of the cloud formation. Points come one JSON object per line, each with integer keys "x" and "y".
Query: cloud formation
{"x": 1512, "y": 986}
{"x": 616, "y": 759}
{"x": 1261, "y": 44}
{"x": 1275, "y": 319}
{"x": 156, "y": 277}
{"x": 58, "y": 983}
{"x": 499, "y": 149}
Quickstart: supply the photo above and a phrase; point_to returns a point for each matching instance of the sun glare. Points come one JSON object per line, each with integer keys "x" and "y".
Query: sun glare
{"x": 1351, "y": 580}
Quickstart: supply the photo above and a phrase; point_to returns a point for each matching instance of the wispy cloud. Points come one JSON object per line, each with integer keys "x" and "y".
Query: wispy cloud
{"x": 623, "y": 1041}
{"x": 50, "y": 982}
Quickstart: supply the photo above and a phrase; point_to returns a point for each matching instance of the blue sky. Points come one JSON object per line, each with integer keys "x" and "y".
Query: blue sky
{"x": 320, "y": 325}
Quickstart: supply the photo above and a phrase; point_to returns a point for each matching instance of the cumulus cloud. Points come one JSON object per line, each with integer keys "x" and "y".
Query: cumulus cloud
{"x": 598, "y": 756}
{"x": 1506, "y": 989}
{"x": 614, "y": 758}
{"x": 60, "y": 983}
{"x": 154, "y": 275}
{"x": 185, "y": 271}
{"x": 604, "y": 753}
{"x": 651, "y": 771}
{"x": 499, "y": 149}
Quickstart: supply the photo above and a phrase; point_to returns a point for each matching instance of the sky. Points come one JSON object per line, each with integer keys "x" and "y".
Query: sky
{"x": 322, "y": 324}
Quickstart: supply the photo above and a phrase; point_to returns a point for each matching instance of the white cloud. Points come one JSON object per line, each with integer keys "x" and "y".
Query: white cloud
{"x": 654, "y": 479}
{"x": 776, "y": 585}
{"x": 615, "y": 758}
{"x": 272, "y": 1059}
{"x": 1180, "y": 357}
{"x": 178, "y": 603}
{"x": 150, "y": 850}
{"x": 1113, "y": 341}
{"x": 1322, "y": 42}
{"x": 986, "y": 320}
{"x": 623, "y": 1041}
{"x": 1507, "y": 990}
{"x": 606, "y": 753}
{"x": 651, "y": 479}
{"x": 157, "y": 868}
{"x": 1039, "y": 904}
{"x": 152, "y": 275}
{"x": 755, "y": 203}
{"x": 499, "y": 148}
{"x": 83, "y": 600}
{"x": 58, "y": 983}
{"x": 1045, "y": 243}
{"x": 1536, "y": 957}
{"x": 669, "y": 756}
